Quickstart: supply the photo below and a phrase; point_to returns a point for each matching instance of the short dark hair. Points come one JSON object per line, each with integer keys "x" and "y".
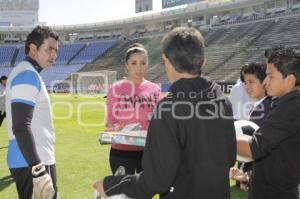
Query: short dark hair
{"x": 287, "y": 62}
{"x": 184, "y": 47}
{"x": 3, "y": 77}
{"x": 38, "y": 35}
{"x": 135, "y": 48}
{"x": 268, "y": 52}
{"x": 257, "y": 69}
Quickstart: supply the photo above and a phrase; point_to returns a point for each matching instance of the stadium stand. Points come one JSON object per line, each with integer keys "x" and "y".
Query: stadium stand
{"x": 228, "y": 48}
{"x": 92, "y": 51}
{"x": 113, "y": 59}
{"x": 6, "y": 55}
{"x": 5, "y": 70}
{"x": 20, "y": 55}
{"x": 231, "y": 41}
{"x": 67, "y": 52}
{"x": 51, "y": 75}
{"x": 13, "y": 54}
{"x": 58, "y": 73}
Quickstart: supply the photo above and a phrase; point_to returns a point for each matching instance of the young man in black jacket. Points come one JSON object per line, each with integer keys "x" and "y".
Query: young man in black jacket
{"x": 191, "y": 142}
{"x": 276, "y": 144}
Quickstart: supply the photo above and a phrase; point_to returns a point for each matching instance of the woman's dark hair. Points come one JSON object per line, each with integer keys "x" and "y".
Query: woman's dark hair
{"x": 135, "y": 48}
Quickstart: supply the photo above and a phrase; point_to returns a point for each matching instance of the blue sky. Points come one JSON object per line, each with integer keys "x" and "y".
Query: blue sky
{"x": 65, "y": 12}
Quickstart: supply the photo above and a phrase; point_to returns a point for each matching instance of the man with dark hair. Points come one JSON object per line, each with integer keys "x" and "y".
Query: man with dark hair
{"x": 253, "y": 75}
{"x": 3, "y": 80}
{"x": 188, "y": 153}
{"x": 30, "y": 155}
{"x": 268, "y": 52}
{"x": 276, "y": 143}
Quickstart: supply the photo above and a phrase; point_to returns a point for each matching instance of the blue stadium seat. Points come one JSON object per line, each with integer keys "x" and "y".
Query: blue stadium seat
{"x": 52, "y": 74}
{"x": 67, "y": 51}
{"x": 21, "y": 55}
{"x": 93, "y": 51}
{"x": 6, "y": 55}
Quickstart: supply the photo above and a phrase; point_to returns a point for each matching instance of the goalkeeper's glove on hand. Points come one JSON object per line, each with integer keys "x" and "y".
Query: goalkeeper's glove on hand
{"x": 42, "y": 183}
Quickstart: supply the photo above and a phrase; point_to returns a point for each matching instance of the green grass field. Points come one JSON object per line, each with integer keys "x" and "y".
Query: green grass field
{"x": 80, "y": 159}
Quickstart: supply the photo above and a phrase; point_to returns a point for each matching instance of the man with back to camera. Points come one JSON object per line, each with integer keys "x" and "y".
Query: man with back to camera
{"x": 30, "y": 157}
{"x": 187, "y": 152}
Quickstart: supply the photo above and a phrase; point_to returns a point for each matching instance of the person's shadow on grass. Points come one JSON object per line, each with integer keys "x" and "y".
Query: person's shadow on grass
{"x": 5, "y": 182}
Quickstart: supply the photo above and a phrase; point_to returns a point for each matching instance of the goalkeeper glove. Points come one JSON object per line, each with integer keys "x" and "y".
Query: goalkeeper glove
{"x": 42, "y": 183}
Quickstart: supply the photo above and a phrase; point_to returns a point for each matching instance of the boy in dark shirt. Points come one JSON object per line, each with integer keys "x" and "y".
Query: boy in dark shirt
{"x": 276, "y": 144}
{"x": 253, "y": 75}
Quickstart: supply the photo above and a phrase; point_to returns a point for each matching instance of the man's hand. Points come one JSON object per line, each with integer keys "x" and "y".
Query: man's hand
{"x": 238, "y": 175}
{"x": 99, "y": 187}
{"x": 42, "y": 183}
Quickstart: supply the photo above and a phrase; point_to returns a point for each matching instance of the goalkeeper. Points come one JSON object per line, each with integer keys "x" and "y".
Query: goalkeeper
{"x": 30, "y": 155}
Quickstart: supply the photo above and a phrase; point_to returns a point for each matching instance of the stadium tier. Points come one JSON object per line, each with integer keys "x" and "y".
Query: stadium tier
{"x": 229, "y": 46}
{"x": 82, "y": 53}
{"x": 6, "y": 55}
{"x": 51, "y": 75}
{"x": 56, "y": 73}
{"x": 67, "y": 52}
{"x": 20, "y": 55}
{"x": 92, "y": 51}
{"x": 5, "y": 70}
{"x": 78, "y": 53}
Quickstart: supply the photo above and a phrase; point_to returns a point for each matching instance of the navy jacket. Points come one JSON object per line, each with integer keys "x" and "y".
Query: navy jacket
{"x": 276, "y": 144}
